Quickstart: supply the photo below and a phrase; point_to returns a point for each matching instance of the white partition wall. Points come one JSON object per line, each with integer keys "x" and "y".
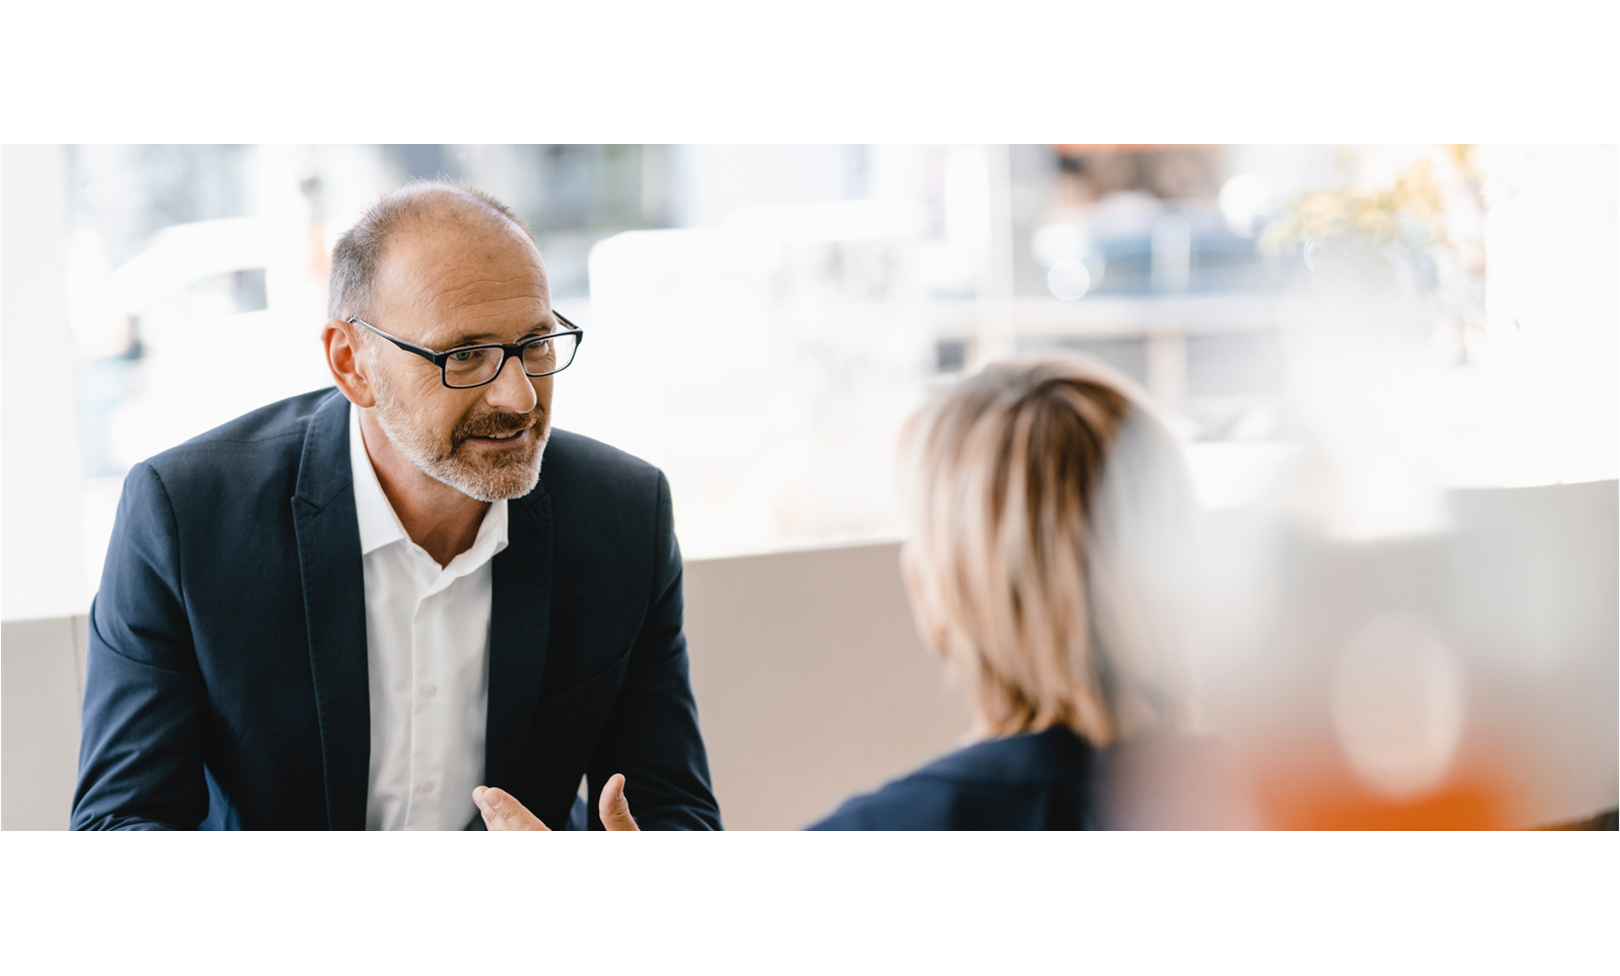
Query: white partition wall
{"x": 811, "y": 681}
{"x": 41, "y": 687}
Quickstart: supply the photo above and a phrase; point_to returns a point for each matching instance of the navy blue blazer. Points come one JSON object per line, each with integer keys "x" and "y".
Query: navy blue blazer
{"x": 227, "y": 687}
{"x": 1045, "y": 781}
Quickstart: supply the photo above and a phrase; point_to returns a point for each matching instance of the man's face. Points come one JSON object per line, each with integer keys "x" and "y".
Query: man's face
{"x": 444, "y": 286}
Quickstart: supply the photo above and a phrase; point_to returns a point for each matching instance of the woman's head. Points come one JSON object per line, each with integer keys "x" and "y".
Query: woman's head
{"x": 1049, "y": 517}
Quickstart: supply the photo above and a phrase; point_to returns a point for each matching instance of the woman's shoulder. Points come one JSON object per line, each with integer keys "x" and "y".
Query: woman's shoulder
{"x": 1054, "y": 780}
{"x": 998, "y": 784}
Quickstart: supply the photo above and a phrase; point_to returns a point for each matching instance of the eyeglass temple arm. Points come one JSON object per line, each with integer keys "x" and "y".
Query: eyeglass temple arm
{"x": 423, "y": 351}
{"x": 580, "y": 339}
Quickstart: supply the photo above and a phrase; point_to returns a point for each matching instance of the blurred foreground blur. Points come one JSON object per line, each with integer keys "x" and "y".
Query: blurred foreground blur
{"x": 1392, "y": 370}
{"x": 1461, "y": 679}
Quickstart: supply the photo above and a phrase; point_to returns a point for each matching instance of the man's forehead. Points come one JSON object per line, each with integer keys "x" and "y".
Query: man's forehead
{"x": 437, "y": 245}
{"x": 460, "y": 276}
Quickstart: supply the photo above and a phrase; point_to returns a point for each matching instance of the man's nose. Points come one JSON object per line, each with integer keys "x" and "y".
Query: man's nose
{"x": 511, "y": 389}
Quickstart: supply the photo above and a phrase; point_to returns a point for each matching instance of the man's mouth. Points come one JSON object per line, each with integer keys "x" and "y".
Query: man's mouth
{"x": 508, "y": 438}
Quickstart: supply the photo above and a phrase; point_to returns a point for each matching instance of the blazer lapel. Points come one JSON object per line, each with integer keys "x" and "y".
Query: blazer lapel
{"x": 519, "y": 624}
{"x": 335, "y": 610}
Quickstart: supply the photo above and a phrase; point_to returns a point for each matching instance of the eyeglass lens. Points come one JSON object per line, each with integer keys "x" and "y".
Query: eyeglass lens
{"x": 471, "y": 367}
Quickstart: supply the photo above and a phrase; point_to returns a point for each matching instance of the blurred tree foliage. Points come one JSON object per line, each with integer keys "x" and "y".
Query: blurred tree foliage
{"x": 1409, "y": 216}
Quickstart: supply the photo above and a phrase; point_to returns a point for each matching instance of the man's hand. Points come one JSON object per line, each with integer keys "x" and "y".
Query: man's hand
{"x": 503, "y": 812}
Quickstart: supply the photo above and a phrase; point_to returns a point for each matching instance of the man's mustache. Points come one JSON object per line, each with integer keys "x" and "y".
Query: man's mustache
{"x": 492, "y": 424}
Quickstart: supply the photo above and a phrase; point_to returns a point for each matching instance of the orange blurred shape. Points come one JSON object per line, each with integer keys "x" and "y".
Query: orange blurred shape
{"x": 1324, "y": 795}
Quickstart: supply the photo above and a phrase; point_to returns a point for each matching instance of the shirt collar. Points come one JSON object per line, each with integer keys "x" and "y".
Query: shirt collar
{"x": 380, "y": 525}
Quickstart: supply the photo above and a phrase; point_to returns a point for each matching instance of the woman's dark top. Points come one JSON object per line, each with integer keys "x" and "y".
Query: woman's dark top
{"x": 1044, "y": 781}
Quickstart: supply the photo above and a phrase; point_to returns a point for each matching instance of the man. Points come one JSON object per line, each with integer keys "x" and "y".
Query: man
{"x": 358, "y": 607}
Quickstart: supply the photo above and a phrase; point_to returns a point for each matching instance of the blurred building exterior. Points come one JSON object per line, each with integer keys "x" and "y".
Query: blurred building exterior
{"x": 762, "y": 316}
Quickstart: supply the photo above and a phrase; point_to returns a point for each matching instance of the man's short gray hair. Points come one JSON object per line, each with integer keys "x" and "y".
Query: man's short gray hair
{"x": 360, "y": 249}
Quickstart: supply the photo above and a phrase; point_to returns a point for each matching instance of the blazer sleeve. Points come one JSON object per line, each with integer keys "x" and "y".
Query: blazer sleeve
{"x": 652, "y": 734}
{"x": 145, "y": 706}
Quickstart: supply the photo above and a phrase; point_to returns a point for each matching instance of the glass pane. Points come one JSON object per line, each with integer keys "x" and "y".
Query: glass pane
{"x": 469, "y": 367}
{"x": 550, "y": 355}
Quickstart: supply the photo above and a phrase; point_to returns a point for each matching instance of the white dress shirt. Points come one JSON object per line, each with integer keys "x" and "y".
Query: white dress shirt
{"x": 427, "y": 655}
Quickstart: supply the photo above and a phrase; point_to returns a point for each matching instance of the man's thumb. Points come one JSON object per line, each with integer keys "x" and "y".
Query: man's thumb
{"x": 503, "y": 812}
{"x": 613, "y": 808}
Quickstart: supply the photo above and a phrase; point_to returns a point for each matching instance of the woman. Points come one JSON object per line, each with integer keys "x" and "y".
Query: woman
{"x": 1049, "y": 564}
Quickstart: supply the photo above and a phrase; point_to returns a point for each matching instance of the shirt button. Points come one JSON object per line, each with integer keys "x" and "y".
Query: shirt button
{"x": 426, "y": 786}
{"x": 428, "y": 691}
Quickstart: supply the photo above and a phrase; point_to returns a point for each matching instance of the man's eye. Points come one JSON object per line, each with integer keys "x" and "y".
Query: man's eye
{"x": 462, "y": 355}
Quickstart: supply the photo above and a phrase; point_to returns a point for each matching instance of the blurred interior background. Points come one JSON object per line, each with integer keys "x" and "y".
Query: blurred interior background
{"x": 1393, "y": 369}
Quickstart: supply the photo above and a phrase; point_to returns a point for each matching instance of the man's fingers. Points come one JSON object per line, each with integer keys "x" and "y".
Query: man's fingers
{"x": 502, "y": 811}
{"x": 613, "y": 808}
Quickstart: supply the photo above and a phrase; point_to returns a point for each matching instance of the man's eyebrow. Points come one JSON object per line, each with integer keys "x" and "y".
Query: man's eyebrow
{"x": 488, "y": 338}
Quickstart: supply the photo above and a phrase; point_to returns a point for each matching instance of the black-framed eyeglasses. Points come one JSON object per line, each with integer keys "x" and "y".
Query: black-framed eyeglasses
{"x": 465, "y": 367}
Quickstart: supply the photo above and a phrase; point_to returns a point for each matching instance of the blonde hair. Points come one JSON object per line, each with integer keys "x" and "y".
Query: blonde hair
{"x": 1047, "y": 507}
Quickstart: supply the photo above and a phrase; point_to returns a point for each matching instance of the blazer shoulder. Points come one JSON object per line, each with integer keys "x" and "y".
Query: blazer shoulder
{"x": 576, "y": 464}
{"x": 911, "y": 803}
{"x": 266, "y": 442}
{"x": 1031, "y": 758}
{"x": 281, "y": 420}
{"x": 989, "y": 783}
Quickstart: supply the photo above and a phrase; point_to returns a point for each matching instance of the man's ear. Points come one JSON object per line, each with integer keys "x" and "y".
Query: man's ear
{"x": 347, "y": 359}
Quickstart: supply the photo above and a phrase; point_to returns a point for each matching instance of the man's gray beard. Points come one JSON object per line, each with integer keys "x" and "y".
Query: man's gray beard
{"x": 509, "y": 480}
